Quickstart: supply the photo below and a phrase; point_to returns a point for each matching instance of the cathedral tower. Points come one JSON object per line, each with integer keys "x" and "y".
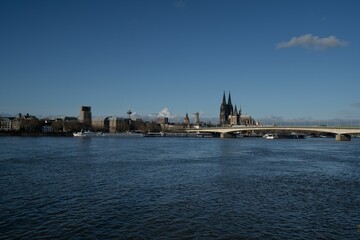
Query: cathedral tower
{"x": 223, "y": 111}
{"x": 228, "y": 115}
{"x": 230, "y": 106}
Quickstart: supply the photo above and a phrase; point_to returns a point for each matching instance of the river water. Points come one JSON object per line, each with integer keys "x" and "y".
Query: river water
{"x": 179, "y": 188}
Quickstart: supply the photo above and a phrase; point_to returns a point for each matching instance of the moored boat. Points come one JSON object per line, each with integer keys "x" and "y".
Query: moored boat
{"x": 284, "y": 136}
{"x": 123, "y": 134}
{"x": 270, "y": 136}
{"x": 86, "y": 133}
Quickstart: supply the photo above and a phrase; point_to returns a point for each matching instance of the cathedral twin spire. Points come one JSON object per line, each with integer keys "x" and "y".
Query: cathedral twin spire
{"x": 227, "y": 111}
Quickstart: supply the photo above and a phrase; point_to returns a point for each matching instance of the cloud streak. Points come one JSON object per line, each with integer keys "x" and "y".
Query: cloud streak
{"x": 309, "y": 41}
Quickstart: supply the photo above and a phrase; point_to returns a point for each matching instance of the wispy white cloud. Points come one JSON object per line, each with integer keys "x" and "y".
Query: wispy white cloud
{"x": 310, "y": 41}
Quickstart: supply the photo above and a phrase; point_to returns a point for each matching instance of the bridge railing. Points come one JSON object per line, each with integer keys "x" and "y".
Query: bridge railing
{"x": 312, "y": 123}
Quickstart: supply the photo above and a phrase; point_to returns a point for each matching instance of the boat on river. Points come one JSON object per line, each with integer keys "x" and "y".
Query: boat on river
{"x": 123, "y": 134}
{"x": 284, "y": 136}
{"x": 88, "y": 133}
{"x": 270, "y": 136}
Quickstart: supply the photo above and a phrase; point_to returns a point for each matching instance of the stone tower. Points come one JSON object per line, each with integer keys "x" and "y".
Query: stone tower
{"x": 228, "y": 115}
{"x": 234, "y": 118}
{"x": 230, "y": 106}
{"x": 197, "y": 119}
{"x": 186, "y": 120}
{"x": 85, "y": 116}
{"x": 223, "y": 111}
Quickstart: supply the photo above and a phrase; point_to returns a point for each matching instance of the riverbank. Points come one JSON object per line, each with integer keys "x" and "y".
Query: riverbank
{"x": 35, "y": 134}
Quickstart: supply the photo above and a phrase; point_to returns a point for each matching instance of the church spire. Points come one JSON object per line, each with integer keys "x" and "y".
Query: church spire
{"x": 229, "y": 99}
{"x": 224, "y": 99}
{"x": 235, "y": 110}
{"x": 229, "y": 105}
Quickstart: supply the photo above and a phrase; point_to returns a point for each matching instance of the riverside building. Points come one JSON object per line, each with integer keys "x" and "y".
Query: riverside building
{"x": 85, "y": 116}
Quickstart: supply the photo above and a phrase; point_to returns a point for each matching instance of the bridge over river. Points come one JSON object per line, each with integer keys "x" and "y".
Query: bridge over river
{"x": 341, "y": 133}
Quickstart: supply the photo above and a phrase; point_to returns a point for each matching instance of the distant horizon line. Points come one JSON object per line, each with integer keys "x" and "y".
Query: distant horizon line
{"x": 176, "y": 118}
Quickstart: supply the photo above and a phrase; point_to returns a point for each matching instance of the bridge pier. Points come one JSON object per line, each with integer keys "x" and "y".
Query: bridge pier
{"x": 227, "y": 135}
{"x": 343, "y": 137}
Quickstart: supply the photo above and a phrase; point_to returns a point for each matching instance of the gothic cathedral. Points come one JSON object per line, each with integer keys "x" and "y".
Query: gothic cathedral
{"x": 228, "y": 114}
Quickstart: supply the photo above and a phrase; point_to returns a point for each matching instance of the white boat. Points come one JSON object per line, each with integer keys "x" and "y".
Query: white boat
{"x": 284, "y": 136}
{"x": 269, "y": 136}
{"x": 155, "y": 134}
{"x": 123, "y": 134}
{"x": 86, "y": 133}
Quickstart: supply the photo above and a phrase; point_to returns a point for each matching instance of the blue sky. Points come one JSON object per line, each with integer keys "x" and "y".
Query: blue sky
{"x": 287, "y": 59}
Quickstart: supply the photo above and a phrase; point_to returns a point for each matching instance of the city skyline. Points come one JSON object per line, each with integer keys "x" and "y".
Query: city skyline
{"x": 279, "y": 59}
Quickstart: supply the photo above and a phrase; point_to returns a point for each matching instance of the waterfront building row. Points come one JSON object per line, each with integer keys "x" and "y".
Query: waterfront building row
{"x": 229, "y": 116}
{"x": 9, "y": 124}
{"x": 29, "y": 123}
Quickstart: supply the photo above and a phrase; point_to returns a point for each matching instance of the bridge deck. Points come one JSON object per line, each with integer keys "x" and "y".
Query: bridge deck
{"x": 318, "y": 129}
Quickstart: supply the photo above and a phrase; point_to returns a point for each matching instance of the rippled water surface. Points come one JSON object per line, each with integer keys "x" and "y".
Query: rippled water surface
{"x": 179, "y": 188}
